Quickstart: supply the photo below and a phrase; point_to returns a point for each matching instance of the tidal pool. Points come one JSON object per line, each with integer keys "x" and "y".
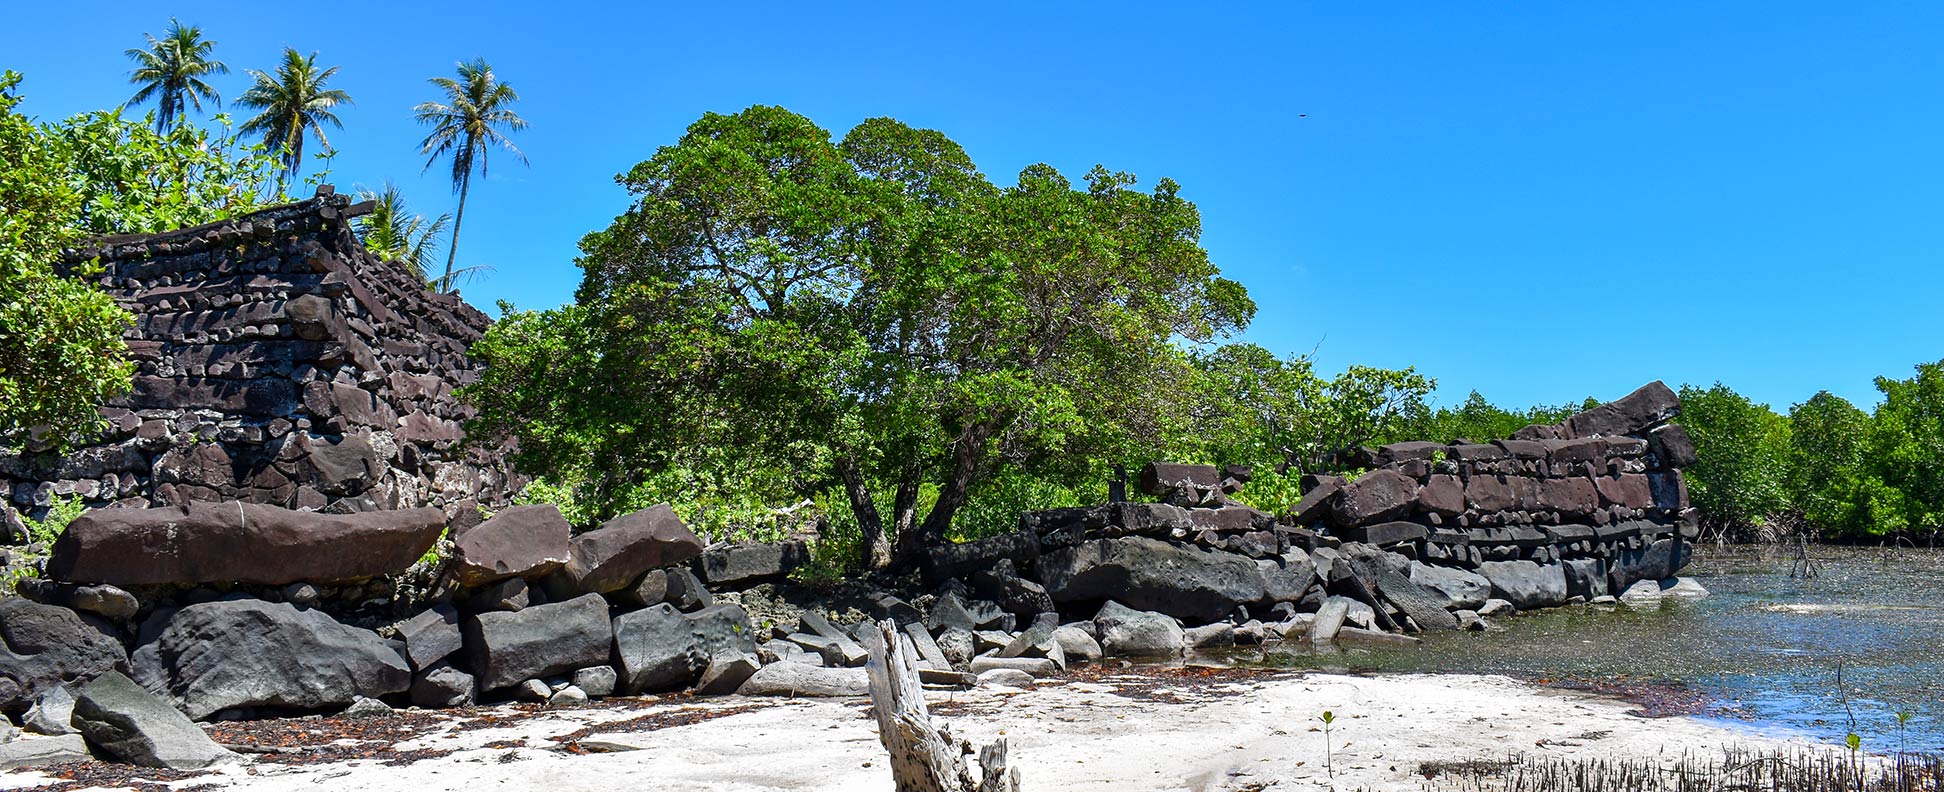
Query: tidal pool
{"x": 1765, "y": 647}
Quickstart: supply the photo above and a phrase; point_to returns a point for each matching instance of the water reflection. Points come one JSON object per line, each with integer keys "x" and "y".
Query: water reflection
{"x": 1766, "y": 646}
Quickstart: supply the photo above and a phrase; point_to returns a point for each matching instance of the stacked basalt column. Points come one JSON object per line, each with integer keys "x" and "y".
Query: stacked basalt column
{"x": 281, "y": 363}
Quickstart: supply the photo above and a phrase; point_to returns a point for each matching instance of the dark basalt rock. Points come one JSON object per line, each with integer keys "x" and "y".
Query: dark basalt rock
{"x": 507, "y": 648}
{"x": 748, "y": 564}
{"x": 660, "y": 648}
{"x": 44, "y": 646}
{"x": 1377, "y": 496}
{"x": 248, "y": 653}
{"x": 132, "y": 725}
{"x": 239, "y": 542}
{"x": 615, "y": 555}
{"x": 520, "y": 541}
{"x": 1196, "y": 585}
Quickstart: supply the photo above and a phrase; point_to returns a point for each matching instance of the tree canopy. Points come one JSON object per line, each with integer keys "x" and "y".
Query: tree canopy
{"x": 873, "y": 306}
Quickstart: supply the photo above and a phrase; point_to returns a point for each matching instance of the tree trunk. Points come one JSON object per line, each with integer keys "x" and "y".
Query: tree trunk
{"x": 452, "y": 251}
{"x": 877, "y": 549}
{"x": 923, "y": 758}
{"x": 967, "y": 452}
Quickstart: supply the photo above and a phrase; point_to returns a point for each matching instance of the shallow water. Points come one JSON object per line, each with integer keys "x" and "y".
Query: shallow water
{"x": 1765, "y": 646}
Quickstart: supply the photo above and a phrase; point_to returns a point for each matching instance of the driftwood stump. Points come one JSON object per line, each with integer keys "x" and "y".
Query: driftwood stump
{"x": 924, "y": 758}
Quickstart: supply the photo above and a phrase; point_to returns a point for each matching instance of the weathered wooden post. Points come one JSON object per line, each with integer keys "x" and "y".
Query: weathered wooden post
{"x": 923, "y": 758}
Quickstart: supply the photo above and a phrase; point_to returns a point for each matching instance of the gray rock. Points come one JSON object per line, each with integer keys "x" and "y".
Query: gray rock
{"x": 597, "y": 681}
{"x": 52, "y": 713}
{"x": 366, "y": 708}
{"x": 106, "y": 601}
{"x": 1037, "y": 666}
{"x": 685, "y": 591}
{"x": 651, "y": 589}
{"x": 1683, "y": 588}
{"x": 1585, "y": 577}
{"x": 1497, "y": 607}
{"x": 1377, "y": 637}
{"x": 134, "y": 726}
{"x": 921, "y": 640}
{"x": 505, "y": 649}
{"x": 1659, "y": 560}
{"x": 443, "y": 686}
{"x": 845, "y": 645}
{"x": 1425, "y": 607}
{"x": 797, "y": 679}
{"x": 1077, "y": 644}
{"x": 958, "y": 644}
{"x": 1285, "y": 579}
{"x": 1643, "y": 594}
{"x": 1360, "y": 614}
{"x": 1210, "y": 636}
{"x": 302, "y": 594}
{"x": 7, "y": 732}
{"x": 952, "y": 610}
{"x": 742, "y": 565}
{"x": 431, "y": 636}
{"x": 231, "y": 542}
{"x": 533, "y": 690}
{"x": 569, "y": 696}
{"x": 1009, "y": 677}
{"x": 1189, "y": 583}
{"x": 509, "y": 595}
{"x": 43, "y": 646}
{"x": 777, "y": 650}
{"x": 1525, "y": 584}
{"x": 519, "y": 541}
{"x": 661, "y": 648}
{"x": 43, "y": 751}
{"x": 616, "y": 554}
{"x": 1126, "y": 632}
{"x": 1329, "y": 619}
{"x": 222, "y": 655}
{"x": 726, "y": 673}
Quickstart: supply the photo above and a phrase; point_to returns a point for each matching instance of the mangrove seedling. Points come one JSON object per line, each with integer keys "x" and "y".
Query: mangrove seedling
{"x": 1329, "y": 755}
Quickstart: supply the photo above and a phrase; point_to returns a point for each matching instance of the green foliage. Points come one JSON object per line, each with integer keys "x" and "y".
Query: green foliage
{"x": 170, "y": 70}
{"x": 1272, "y": 491}
{"x": 290, "y": 103}
{"x": 132, "y": 179}
{"x": 1828, "y": 478}
{"x": 60, "y": 513}
{"x": 1906, "y": 450}
{"x": 1255, "y": 408}
{"x": 393, "y": 233}
{"x": 1743, "y": 448}
{"x": 994, "y": 506}
{"x": 873, "y": 313}
{"x": 61, "y": 349}
{"x": 1478, "y": 420}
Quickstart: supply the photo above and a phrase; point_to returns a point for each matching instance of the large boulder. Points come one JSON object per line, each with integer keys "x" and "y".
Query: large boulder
{"x": 661, "y": 648}
{"x": 1127, "y": 632}
{"x": 615, "y": 555}
{"x": 1425, "y": 607}
{"x": 1190, "y": 583}
{"x": 45, "y": 646}
{"x": 946, "y": 560}
{"x": 802, "y": 680}
{"x": 1461, "y": 590}
{"x": 219, "y": 655}
{"x": 1630, "y": 414}
{"x": 1526, "y": 584}
{"x": 745, "y": 564}
{"x": 430, "y": 636}
{"x": 240, "y": 543}
{"x": 133, "y": 725}
{"x": 507, "y": 648}
{"x": 520, "y": 541}
{"x": 1377, "y": 496}
{"x": 1659, "y": 560}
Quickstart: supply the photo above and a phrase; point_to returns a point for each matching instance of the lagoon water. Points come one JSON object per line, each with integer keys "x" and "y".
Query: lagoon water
{"x": 1765, "y": 647}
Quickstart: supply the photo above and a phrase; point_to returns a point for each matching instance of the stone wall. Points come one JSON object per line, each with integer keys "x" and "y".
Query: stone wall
{"x": 279, "y": 363}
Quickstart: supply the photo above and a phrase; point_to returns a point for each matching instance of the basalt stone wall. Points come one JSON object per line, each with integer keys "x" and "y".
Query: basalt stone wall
{"x": 279, "y": 363}
{"x": 1424, "y": 538}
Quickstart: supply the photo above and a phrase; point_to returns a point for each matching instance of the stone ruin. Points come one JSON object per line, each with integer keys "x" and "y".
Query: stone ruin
{"x": 280, "y": 363}
{"x": 1430, "y": 536}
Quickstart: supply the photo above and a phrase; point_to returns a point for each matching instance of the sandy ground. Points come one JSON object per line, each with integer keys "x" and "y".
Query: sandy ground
{"x": 1117, "y": 733}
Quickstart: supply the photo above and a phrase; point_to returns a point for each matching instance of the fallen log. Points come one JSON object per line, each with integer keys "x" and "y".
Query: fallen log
{"x": 924, "y": 758}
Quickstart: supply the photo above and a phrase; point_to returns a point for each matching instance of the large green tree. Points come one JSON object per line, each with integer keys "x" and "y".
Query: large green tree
{"x": 875, "y": 307}
{"x": 1743, "y": 448}
{"x": 61, "y": 349}
{"x": 1259, "y": 409}
{"x": 1829, "y": 479}
{"x": 292, "y": 102}
{"x": 1907, "y": 452}
{"x": 171, "y": 71}
{"x": 473, "y": 119}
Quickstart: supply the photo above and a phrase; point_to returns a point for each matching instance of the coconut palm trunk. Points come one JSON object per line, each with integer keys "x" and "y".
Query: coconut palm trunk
{"x": 452, "y": 250}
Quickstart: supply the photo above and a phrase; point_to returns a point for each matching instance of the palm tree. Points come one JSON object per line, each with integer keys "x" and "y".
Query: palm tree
{"x": 395, "y": 234}
{"x": 472, "y": 119}
{"x": 293, "y": 101}
{"x": 172, "y": 69}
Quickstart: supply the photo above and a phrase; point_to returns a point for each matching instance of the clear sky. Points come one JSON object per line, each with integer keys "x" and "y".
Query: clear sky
{"x": 1538, "y": 201}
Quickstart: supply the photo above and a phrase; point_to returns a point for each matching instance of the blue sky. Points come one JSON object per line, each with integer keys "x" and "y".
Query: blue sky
{"x": 1540, "y": 202}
